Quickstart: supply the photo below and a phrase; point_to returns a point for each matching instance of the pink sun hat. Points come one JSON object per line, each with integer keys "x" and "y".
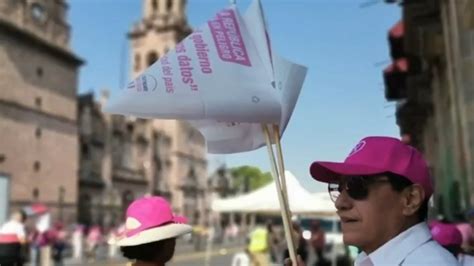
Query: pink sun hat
{"x": 150, "y": 219}
{"x": 376, "y": 155}
{"x": 446, "y": 234}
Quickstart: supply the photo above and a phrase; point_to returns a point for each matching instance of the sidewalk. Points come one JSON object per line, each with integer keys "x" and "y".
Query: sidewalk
{"x": 184, "y": 251}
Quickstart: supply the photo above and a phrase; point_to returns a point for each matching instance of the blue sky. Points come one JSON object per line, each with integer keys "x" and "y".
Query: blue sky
{"x": 341, "y": 43}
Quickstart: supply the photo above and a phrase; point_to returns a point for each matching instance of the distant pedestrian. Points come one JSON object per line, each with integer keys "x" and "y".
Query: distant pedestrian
{"x": 115, "y": 231}
{"x": 449, "y": 236}
{"x": 12, "y": 239}
{"x": 241, "y": 259}
{"x": 94, "y": 237}
{"x": 77, "y": 241}
{"x": 259, "y": 246}
{"x": 274, "y": 242}
{"x": 318, "y": 241}
{"x": 301, "y": 244}
{"x": 58, "y": 236}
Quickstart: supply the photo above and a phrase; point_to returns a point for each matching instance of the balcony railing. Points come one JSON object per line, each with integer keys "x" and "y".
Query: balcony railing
{"x": 121, "y": 173}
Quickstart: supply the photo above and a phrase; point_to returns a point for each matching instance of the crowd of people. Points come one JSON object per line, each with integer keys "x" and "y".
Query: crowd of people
{"x": 30, "y": 239}
{"x": 266, "y": 245}
{"x": 381, "y": 193}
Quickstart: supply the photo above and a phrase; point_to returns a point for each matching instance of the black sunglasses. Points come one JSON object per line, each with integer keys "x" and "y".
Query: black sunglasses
{"x": 357, "y": 187}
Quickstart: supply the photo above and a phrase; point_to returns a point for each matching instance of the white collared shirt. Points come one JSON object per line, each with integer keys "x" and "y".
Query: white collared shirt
{"x": 466, "y": 260}
{"x": 414, "y": 247}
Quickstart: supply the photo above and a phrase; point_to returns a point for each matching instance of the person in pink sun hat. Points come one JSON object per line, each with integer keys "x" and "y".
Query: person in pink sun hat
{"x": 151, "y": 229}
{"x": 381, "y": 193}
{"x": 449, "y": 236}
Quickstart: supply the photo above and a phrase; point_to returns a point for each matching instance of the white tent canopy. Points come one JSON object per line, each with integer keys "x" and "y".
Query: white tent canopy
{"x": 265, "y": 200}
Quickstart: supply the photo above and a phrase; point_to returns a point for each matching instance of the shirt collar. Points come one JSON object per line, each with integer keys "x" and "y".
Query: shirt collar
{"x": 398, "y": 248}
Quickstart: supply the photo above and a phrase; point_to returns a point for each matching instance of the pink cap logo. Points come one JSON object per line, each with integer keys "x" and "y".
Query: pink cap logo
{"x": 436, "y": 230}
{"x": 357, "y": 148}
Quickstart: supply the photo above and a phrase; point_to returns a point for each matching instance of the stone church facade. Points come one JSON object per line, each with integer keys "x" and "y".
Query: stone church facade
{"x": 38, "y": 126}
{"x": 59, "y": 149}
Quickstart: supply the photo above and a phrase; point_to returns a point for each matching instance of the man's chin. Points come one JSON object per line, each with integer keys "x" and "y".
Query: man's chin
{"x": 350, "y": 239}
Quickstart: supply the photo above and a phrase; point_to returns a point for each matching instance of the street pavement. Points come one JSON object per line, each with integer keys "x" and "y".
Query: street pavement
{"x": 185, "y": 255}
{"x": 217, "y": 257}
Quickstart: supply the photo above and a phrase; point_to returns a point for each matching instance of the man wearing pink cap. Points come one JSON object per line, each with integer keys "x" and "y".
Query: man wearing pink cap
{"x": 381, "y": 194}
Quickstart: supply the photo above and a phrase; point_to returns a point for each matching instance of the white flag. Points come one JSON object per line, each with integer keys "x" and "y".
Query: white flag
{"x": 233, "y": 137}
{"x": 224, "y": 79}
{"x": 215, "y": 73}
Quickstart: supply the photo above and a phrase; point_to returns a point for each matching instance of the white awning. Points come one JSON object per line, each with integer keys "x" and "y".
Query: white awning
{"x": 265, "y": 200}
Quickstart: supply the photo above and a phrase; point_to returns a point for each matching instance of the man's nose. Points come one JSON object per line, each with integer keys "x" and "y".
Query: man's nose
{"x": 343, "y": 202}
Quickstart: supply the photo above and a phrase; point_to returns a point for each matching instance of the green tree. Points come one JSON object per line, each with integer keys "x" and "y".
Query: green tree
{"x": 250, "y": 177}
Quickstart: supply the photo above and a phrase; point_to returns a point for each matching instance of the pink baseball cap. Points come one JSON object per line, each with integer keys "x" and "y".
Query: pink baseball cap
{"x": 376, "y": 155}
{"x": 446, "y": 234}
{"x": 151, "y": 219}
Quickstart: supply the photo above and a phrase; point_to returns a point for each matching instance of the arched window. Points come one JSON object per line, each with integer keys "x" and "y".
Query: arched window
{"x": 38, "y": 12}
{"x": 154, "y": 5}
{"x": 152, "y": 57}
{"x": 169, "y": 5}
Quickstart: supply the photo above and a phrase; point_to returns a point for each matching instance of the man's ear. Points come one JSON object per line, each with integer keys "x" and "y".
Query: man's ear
{"x": 413, "y": 197}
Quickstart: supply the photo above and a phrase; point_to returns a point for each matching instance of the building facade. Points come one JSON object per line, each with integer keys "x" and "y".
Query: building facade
{"x": 38, "y": 84}
{"x": 432, "y": 78}
{"x": 123, "y": 158}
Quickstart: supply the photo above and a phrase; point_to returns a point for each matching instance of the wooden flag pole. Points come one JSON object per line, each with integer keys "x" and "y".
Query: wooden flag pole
{"x": 281, "y": 165}
{"x": 283, "y": 206}
{"x": 281, "y": 171}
